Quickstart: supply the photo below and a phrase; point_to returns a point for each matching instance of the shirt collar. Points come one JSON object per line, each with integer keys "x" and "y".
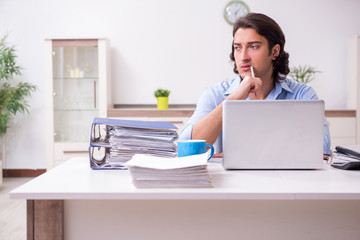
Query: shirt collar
{"x": 284, "y": 85}
{"x": 279, "y": 86}
{"x": 278, "y": 89}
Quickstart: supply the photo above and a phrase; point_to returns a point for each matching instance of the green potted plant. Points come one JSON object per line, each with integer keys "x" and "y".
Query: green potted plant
{"x": 162, "y": 96}
{"x": 303, "y": 74}
{"x": 13, "y": 94}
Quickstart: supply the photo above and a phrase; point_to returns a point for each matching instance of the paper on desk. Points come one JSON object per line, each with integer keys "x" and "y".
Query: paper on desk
{"x": 144, "y": 133}
{"x": 146, "y": 161}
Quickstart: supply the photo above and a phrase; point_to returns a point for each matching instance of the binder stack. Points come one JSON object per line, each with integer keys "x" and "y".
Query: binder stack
{"x": 114, "y": 141}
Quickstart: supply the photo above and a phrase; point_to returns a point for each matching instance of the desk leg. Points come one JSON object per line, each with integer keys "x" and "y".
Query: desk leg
{"x": 45, "y": 219}
{"x": 30, "y": 219}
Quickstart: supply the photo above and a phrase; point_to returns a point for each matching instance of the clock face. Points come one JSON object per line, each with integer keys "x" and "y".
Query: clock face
{"x": 235, "y": 9}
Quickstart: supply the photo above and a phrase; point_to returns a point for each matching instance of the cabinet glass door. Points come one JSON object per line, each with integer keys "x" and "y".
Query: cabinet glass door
{"x": 75, "y": 90}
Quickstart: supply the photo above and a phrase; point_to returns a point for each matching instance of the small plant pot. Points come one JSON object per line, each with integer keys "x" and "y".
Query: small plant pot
{"x": 162, "y": 103}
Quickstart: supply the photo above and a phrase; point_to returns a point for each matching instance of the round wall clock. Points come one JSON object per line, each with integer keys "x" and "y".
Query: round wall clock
{"x": 235, "y": 9}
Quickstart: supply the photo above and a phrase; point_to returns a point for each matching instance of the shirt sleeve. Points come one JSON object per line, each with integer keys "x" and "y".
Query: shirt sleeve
{"x": 310, "y": 94}
{"x": 208, "y": 102}
{"x": 327, "y": 141}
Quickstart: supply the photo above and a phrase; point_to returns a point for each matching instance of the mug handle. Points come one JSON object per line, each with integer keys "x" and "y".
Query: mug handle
{"x": 212, "y": 150}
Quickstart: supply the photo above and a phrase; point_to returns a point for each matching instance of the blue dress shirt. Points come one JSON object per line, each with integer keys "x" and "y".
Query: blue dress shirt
{"x": 213, "y": 96}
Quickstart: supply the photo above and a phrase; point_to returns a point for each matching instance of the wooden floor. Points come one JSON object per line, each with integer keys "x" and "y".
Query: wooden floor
{"x": 12, "y": 212}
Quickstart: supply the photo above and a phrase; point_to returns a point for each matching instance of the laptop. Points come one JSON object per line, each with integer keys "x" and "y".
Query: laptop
{"x": 277, "y": 134}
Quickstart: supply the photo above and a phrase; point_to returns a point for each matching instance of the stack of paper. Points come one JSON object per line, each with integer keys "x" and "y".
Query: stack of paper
{"x": 157, "y": 172}
{"x": 157, "y": 142}
{"x": 115, "y": 141}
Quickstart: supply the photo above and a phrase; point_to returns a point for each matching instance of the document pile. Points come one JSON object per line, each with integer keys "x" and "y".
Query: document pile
{"x": 157, "y": 172}
{"x": 114, "y": 141}
{"x": 347, "y": 158}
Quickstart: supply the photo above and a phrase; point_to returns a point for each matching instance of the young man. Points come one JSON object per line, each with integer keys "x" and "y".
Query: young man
{"x": 258, "y": 42}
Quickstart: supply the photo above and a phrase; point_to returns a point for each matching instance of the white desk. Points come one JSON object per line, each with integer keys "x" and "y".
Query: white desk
{"x": 92, "y": 204}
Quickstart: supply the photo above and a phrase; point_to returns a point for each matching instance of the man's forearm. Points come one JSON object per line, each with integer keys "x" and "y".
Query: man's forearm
{"x": 209, "y": 127}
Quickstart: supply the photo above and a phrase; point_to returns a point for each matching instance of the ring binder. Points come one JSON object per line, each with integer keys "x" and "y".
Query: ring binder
{"x": 114, "y": 141}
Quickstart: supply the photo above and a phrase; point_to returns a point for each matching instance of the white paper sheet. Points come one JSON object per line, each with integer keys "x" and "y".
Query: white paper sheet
{"x": 146, "y": 161}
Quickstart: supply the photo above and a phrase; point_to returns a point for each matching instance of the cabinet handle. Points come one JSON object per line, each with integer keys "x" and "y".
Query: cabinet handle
{"x": 70, "y": 152}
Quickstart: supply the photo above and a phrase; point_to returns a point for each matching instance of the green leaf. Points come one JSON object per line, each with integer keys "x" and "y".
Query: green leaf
{"x": 303, "y": 74}
{"x": 13, "y": 94}
{"x": 161, "y": 93}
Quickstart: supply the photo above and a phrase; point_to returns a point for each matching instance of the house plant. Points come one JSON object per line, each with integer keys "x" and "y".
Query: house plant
{"x": 303, "y": 74}
{"x": 162, "y": 96}
{"x": 13, "y": 94}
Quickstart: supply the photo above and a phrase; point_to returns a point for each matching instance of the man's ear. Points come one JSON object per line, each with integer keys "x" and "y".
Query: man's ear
{"x": 275, "y": 51}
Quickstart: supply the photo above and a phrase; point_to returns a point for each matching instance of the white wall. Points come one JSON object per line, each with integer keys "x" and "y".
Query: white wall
{"x": 181, "y": 45}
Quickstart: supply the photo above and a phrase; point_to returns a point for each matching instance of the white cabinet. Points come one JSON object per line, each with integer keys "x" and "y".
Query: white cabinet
{"x": 77, "y": 76}
{"x": 353, "y": 83}
{"x": 342, "y": 131}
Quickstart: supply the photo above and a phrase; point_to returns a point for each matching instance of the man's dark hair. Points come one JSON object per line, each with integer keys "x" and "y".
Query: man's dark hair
{"x": 268, "y": 28}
